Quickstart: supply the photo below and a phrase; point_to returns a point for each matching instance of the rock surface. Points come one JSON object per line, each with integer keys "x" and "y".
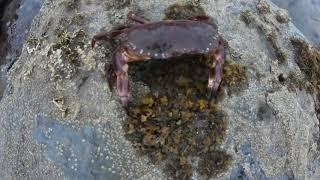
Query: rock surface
{"x": 60, "y": 120}
{"x": 305, "y": 15}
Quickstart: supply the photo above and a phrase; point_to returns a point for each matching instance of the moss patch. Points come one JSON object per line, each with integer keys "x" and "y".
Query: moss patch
{"x": 175, "y": 122}
{"x": 183, "y": 11}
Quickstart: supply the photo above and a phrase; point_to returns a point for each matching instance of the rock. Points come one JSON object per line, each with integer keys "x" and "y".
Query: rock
{"x": 60, "y": 120}
{"x": 305, "y": 15}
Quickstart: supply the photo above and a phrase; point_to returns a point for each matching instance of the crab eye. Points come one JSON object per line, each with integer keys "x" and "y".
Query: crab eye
{"x": 220, "y": 43}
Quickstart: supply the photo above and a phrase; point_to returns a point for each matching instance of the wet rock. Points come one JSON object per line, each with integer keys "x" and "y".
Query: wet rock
{"x": 305, "y": 15}
{"x": 272, "y": 131}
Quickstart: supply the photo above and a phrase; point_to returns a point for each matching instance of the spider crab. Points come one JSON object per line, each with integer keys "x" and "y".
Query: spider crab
{"x": 165, "y": 39}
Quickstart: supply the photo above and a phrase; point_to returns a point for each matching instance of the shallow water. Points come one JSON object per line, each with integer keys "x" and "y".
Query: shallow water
{"x": 15, "y": 25}
{"x": 305, "y": 14}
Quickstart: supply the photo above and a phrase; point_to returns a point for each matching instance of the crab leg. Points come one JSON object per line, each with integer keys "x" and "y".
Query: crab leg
{"x": 137, "y": 18}
{"x": 118, "y": 71}
{"x": 215, "y": 71}
{"x": 107, "y": 36}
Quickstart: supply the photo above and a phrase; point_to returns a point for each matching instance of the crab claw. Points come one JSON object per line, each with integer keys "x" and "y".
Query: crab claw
{"x": 214, "y": 80}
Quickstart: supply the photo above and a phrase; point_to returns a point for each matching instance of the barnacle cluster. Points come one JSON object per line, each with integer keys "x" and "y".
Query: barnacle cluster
{"x": 69, "y": 43}
{"x": 261, "y": 22}
{"x": 246, "y": 16}
{"x": 65, "y": 54}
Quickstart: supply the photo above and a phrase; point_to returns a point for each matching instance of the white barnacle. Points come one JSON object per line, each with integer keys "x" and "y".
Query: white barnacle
{"x": 163, "y": 56}
{"x": 210, "y": 44}
{"x": 148, "y": 53}
{"x": 184, "y": 49}
{"x": 141, "y": 51}
{"x": 207, "y": 49}
{"x": 156, "y": 55}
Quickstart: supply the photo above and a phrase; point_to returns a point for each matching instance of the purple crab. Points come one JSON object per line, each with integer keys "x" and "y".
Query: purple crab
{"x": 165, "y": 39}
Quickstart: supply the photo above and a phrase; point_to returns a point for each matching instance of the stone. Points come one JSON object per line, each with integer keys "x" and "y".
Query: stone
{"x": 272, "y": 132}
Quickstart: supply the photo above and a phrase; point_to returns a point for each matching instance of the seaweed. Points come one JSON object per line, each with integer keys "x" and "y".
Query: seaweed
{"x": 175, "y": 121}
{"x": 234, "y": 77}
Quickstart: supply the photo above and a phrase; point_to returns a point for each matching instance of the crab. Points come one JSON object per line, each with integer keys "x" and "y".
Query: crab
{"x": 166, "y": 39}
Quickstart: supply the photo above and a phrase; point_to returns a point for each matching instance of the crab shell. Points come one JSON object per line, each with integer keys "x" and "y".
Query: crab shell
{"x": 164, "y": 40}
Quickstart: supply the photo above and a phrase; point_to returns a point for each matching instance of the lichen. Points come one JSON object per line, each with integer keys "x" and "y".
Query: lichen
{"x": 183, "y": 11}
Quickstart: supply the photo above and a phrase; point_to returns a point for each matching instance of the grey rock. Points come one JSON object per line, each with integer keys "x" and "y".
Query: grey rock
{"x": 305, "y": 15}
{"x": 47, "y": 123}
